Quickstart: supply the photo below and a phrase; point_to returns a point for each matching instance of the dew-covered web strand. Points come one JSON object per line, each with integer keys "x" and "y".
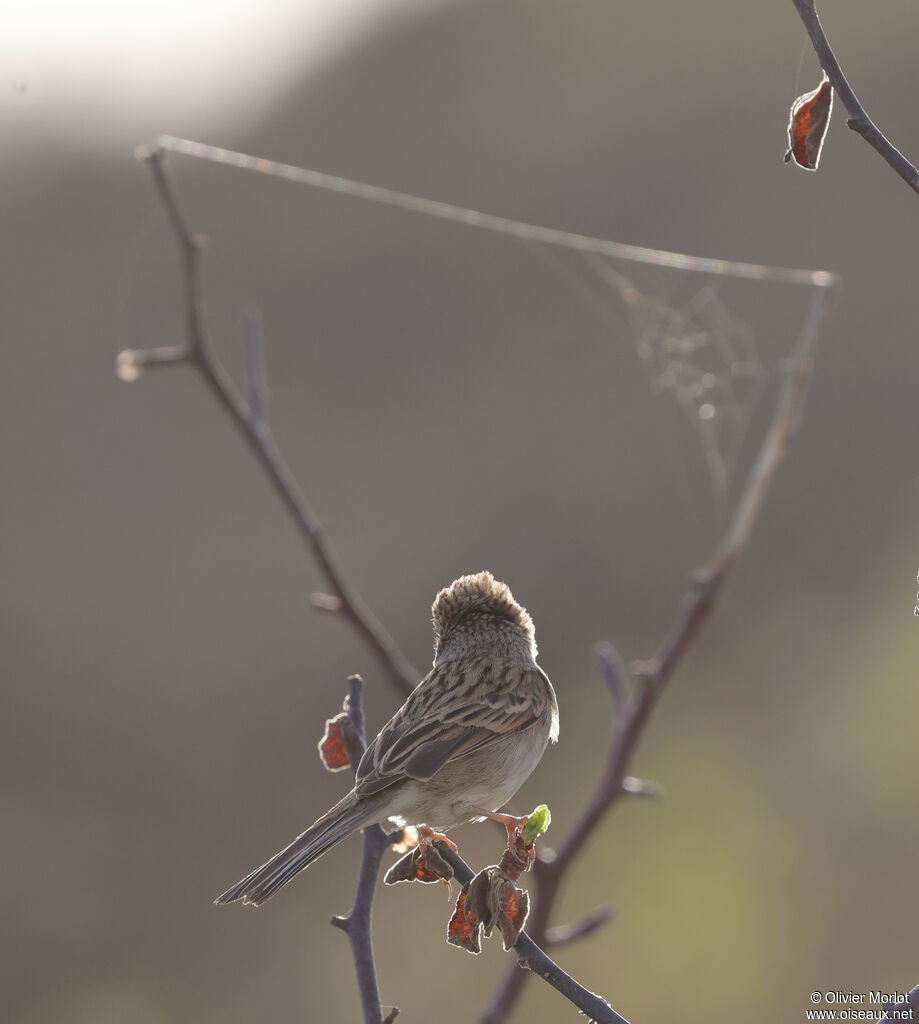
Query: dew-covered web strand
{"x": 610, "y": 313}
{"x": 696, "y": 353}
{"x": 696, "y": 350}
{"x": 492, "y": 222}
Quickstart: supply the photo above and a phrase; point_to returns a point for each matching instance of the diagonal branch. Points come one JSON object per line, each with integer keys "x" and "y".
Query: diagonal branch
{"x": 858, "y": 121}
{"x": 633, "y": 712}
{"x": 536, "y": 961}
{"x": 255, "y": 368}
{"x": 249, "y": 420}
{"x": 565, "y": 934}
{"x": 356, "y": 924}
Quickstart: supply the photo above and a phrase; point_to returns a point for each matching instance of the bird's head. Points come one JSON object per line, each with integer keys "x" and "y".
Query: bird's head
{"x": 476, "y": 613}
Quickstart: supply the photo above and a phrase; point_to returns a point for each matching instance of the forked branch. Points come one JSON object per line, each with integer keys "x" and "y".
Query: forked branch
{"x": 251, "y": 423}
{"x": 357, "y": 923}
{"x": 634, "y": 702}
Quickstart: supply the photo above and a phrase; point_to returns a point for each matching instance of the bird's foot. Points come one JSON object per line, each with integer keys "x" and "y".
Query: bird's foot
{"x": 515, "y": 827}
{"x": 427, "y": 837}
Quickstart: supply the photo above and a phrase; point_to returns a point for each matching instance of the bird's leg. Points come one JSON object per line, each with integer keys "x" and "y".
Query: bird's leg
{"x": 511, "y": 822}
{"x": 427, "y": 837}
{"x": 514, "y": 826}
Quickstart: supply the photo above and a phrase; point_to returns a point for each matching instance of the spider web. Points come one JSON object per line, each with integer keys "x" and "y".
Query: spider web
{"x": 696, "y": 346}
{"x": 699, "y": 352}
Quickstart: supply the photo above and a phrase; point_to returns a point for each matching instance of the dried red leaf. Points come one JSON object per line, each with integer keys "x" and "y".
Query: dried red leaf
{"x": 333, "y": 751}
{"x": 490, "y": 900}
{"x": 463, "y": 927}
{"x": 423, "y": 864}
{"x": 513, "y": 907}
{"x": 477, "y": 902}
{"x": 807, "y": 125}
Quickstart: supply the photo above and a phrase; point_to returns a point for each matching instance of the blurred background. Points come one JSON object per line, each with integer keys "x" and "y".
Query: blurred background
{"x": 449, "y": 403}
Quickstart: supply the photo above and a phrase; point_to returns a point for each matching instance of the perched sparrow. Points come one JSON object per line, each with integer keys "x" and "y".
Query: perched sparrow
{"x": 462, "y": 744}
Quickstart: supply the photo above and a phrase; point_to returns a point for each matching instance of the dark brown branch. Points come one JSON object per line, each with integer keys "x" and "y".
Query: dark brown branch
{"x": 858, "y": 121}
{"x": 250, "y": 422}
{"x": 357, "y": 923}
{"x": 633, "y": 711}
{"x": 536, "y": 961}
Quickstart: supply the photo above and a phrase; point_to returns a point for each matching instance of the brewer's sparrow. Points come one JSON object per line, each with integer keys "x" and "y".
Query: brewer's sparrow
{"x": 461, "y": 745}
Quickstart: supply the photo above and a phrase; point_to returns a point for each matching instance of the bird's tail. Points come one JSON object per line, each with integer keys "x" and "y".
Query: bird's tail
{"x": 344, "y": 818}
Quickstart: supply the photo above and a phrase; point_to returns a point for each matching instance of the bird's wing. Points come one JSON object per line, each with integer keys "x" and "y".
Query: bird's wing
{"x": 450, "y": 714}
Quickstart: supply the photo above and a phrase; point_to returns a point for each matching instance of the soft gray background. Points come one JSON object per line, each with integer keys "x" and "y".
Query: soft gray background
{"x": 449, "y": 405}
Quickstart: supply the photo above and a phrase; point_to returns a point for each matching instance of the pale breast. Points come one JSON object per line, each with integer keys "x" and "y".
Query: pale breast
{"x": 486, "y": 778}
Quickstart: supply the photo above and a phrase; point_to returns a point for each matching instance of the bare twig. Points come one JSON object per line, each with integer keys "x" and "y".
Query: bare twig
{"x": 565, "y": 934}
{"x": 357, "y": 923}
{"x": 536, "y": 961}
{"x": 615, "y": 675}
{"x": 632, "y": 712}
{"x": 255, "y": 368}
{"x": 250, "y": 421}
{"x": 858, "y": 121}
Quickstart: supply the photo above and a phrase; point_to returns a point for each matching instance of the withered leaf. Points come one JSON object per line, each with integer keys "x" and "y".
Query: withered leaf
{"x": 477, "y": 898}
{"x": 333, "y": 752}
{"x": 463, "y": 927}
{"x": 513, "y": 907}
{"x": 807, "y": 125}
{"x": 423, "y": 864}
{"x": 490, "y": 900}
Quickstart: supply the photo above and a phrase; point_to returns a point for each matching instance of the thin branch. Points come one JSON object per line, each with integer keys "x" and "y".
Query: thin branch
{"x": 536, "y": 961}
{"x": 250, "y": 421}
{"x": 565, "y": 934}
{"x": 255, "y": 369}
{"x": 615, "y": 675}
{"x": 357, "y": 923}
{"x": 858, "y": 121}
{"x": 644, "y": 788}
{"x": 632, "y": 715}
